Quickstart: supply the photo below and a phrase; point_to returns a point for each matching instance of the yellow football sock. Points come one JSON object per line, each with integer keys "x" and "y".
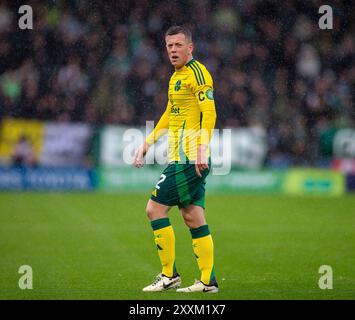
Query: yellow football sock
{"x": 202, "y": 244}
{"x": 164, "y": 238}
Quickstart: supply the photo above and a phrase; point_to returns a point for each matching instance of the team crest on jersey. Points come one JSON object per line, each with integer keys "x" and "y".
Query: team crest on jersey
{"x": 209, "y": 94}
{"x": 178, "y": 85}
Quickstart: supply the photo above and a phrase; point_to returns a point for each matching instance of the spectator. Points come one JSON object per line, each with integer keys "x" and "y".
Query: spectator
{"x": 23, "y": 154}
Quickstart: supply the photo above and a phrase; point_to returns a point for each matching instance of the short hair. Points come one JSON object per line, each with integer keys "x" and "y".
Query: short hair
{"x": 179, "y": 29}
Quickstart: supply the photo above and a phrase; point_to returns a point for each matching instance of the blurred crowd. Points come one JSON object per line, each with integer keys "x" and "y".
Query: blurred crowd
{"x": 105, "y": 63}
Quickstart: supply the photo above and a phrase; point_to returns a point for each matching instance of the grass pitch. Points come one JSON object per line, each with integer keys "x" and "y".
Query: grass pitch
{"x": 100, "y": 246}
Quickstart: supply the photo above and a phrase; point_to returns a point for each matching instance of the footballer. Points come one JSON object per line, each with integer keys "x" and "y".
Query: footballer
{"x": 189, "y": 120}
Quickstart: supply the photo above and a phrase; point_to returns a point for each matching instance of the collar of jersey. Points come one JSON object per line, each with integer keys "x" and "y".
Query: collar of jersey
{"x": 190, "y": 62}
{"x": 186, "y": 65}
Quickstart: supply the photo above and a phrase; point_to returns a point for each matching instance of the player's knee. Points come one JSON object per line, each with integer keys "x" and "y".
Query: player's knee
{"x": 193, "y": 220}
{"x": 150, "y": 212}
{"x": 153, "y": 213}
{"x": 189, "y": 220}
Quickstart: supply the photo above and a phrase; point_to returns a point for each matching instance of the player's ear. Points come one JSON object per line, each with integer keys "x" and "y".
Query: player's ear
{"x": 190, "y": 47}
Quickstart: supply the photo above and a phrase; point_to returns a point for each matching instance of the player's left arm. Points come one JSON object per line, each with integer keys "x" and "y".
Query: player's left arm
{"x": 204, "y": 96}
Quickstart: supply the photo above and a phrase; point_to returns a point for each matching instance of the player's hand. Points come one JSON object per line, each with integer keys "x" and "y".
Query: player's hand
{"x": 201, "y": 162}
{"x": 138, "y": 160}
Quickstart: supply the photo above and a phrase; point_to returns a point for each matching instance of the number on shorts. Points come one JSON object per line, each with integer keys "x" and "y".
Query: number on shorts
{"x": 162, "y": 178}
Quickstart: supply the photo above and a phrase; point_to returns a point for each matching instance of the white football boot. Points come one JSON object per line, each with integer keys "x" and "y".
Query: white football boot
{"x": 162, "y": 283}
{"x": 198, "y": 286}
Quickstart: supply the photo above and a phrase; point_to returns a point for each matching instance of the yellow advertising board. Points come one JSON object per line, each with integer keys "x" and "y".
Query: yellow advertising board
{"x": 13, "y": 129}
{"x": 311, "y": 181}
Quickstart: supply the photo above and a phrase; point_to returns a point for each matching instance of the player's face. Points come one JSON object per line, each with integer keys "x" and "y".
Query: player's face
{"x": 179, "y": 49}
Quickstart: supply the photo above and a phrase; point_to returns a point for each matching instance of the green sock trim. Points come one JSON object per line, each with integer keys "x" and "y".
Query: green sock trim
{"x": 174, "y": 269}
{"x": 174, "y": 272}
{"x": 160, "y": 223}
{"x": 212, "y": 277}
{"x": 200, "y": 232}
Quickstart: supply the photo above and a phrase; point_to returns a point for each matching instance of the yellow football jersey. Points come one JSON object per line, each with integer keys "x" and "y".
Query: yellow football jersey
{"x": 190, "y": 115}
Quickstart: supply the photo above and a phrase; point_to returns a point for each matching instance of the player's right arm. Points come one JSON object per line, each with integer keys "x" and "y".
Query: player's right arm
{"x": 160, "y": 129}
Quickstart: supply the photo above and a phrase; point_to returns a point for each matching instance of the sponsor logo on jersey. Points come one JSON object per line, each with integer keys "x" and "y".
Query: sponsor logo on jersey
{"x": 178, "y": 85}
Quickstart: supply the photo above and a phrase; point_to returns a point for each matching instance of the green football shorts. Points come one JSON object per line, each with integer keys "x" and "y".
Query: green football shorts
{"x": 180, "y": 185}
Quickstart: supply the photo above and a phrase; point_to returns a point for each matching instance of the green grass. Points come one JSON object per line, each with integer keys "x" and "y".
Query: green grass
{"x": 100, "y": 246}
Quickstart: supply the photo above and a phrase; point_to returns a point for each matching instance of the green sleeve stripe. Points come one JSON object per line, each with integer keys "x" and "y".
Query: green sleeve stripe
{"x": 200, "y": 232}
{"x": 197, "y": 76}
{"x": 200, "y": 71}
{"x": 160, "y": 223}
